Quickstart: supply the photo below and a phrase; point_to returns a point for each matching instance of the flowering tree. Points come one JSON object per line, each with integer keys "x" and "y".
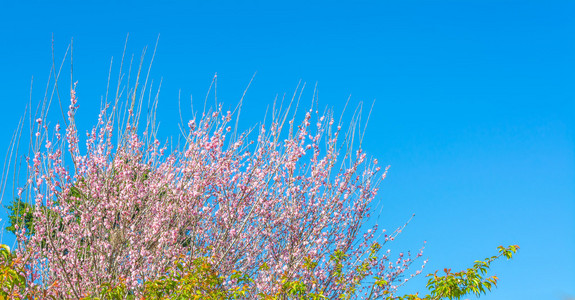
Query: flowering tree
{"x": 276, "y": 212}
{"x": 283, "y": 204}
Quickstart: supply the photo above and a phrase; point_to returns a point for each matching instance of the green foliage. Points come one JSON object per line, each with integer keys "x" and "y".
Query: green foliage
{"x": 200, "y": 280}
{"x": 458, "y": 284}
{"x": 20, "y": 213}
{"x": 12, "y": 280}
{"x": 292, "y": 288}
{"x": 113, "y": 292}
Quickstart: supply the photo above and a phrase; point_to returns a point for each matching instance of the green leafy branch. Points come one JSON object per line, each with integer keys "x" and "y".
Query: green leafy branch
{"x": 458, "y": 284}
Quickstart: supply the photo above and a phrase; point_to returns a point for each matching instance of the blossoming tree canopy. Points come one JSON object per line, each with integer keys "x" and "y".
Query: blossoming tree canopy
{"x": 285, "y": 202}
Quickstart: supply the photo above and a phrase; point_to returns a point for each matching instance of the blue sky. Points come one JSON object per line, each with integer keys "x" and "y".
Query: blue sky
{"x": 474, "y": 111}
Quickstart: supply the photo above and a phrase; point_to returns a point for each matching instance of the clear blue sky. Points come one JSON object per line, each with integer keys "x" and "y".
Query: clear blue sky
{"x": 475, "y": 103}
